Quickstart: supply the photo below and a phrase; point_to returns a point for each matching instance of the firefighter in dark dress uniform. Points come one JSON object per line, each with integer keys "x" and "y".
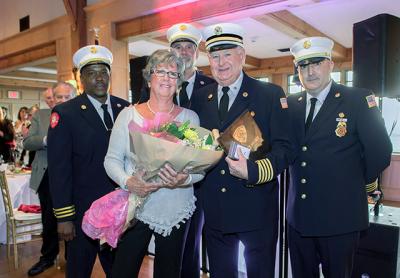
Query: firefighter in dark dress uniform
{"x": 78, "y": 139}
{"x": 341, "y": 145}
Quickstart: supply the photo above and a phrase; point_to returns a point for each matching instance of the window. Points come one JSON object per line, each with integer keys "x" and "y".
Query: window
{"x": 292, "y": 86}
{"x": 264, "y": 79}
{"x": 130, "y": 96}
{"x": 336, "y": 76}
{"x": 349, "y": 78}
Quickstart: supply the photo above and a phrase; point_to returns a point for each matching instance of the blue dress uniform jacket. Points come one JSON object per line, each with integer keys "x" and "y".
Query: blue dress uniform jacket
{"x": 199, "y": 82}
{"x": 327, "y": 193}
{"x": 235, "y": 205}
{"x": 77, "y": 146}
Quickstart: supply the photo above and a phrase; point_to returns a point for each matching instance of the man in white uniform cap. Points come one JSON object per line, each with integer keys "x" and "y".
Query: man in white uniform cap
{"x": 240, "y": 197}
{"x": 77, "y": 143}
{"x": 341, "y": 145}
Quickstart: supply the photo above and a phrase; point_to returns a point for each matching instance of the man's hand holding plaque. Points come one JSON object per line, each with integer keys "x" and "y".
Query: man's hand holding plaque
{"x": 240, "y": 140}
{"x": 243, "y": 133}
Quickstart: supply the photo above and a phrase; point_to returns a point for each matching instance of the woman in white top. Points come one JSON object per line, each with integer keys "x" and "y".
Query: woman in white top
{"x": 169, "y": 203}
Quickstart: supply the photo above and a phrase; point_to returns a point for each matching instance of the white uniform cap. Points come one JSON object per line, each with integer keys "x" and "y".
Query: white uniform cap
{"x": 183, "y": 32}
{"x": 223, "y": 36}
{"x": 92, "y": 54}
{"x": 310, "y": 50}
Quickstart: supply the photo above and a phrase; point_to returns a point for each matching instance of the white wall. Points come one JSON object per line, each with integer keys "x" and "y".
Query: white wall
{"x": 28, "y": 98}
{"x": 40, "y": 11}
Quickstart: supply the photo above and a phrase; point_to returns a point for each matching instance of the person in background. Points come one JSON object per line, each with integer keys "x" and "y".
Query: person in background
{"x": 37, "y": 141}
{"x": 25, "y": 132}
{"x": 159, "y": 216}
{"x": 7, "y": 138}
{"x": 184, "y": 41}
{"x": 19, "y": 123}
{"x": 48, "y": 97}
{"x": 21, "y": 118}
{"x": 340, "y": 145}
{"x": 240, "y": 197}
{"x": 5, "y": 112}
{"x": 77, "y": 142}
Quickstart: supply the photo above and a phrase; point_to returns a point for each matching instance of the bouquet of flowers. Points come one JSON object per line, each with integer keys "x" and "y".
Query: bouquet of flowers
{"x": 153, "y": 144}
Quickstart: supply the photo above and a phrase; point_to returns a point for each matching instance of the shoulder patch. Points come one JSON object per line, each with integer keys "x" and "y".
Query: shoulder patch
{"x": 284, "y": 103}
{"x": 54, "y": 119}
{"x": 371, "y": 101}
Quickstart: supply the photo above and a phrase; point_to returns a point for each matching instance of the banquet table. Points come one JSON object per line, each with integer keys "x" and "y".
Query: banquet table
{"x": 20, "y": 193}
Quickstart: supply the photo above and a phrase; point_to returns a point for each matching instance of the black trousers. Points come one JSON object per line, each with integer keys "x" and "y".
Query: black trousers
{"x": 191, "y": 254}
{"x": 50, "y": 246}
{"x": 132, "y": 248}
{"x": 259, "y": 252}
{"x": 82, "y": 252}
{"x": 334, "y": 253}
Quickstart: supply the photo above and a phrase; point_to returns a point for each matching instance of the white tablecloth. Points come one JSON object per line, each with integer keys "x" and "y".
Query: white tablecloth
{"x": 20, "y": 194}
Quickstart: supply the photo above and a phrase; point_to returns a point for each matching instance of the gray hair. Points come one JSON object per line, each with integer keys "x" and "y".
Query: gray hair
{"x": 64, "y": 84}
{"x": 163, "y": 56}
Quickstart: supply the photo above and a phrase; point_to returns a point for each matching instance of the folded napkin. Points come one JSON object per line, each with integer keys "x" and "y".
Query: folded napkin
{"x": 30, "y": 208}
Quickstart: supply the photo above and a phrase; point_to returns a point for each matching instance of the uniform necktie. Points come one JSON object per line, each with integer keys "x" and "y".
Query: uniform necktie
{"x": 310, "y": 113}
{"x": 223, "y": 104}
{"x": 107, "y": 118}
{"x": 183, "y": 97}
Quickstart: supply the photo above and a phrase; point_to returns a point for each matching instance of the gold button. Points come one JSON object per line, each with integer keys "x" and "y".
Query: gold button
{"x": 304, "y": 148}
{"x": 303, "y": 180}
{"x": 303, "y": 196}
{"x": 222, "y": 172}
{"x": 303, "y": 164}
{"x": 223, "y": 189}
{"x": 252, "y": 113}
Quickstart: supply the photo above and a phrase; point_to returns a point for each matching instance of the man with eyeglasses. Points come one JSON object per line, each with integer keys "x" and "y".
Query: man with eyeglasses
{"x": 341, "y": 145}
{"x": 240, "y": 197}
{"x": 36, "y": 141}
{"x": 77, "y": 142}
{"x": 184, "y": 41}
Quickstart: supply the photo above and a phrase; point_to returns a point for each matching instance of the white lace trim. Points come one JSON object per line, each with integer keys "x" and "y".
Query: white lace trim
{"x": 163, "y": 227}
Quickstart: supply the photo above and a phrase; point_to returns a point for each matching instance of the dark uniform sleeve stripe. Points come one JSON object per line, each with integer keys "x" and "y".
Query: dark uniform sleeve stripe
{"x": 265, "y": 170}
{"x": 66, "y": 215}
{"x": 372, "y": 186}
{"x": 260, "y": 171}
{"x": 64, "y": 212}
{"x": 64, "y": 208}
{"x": 270, "y": 170}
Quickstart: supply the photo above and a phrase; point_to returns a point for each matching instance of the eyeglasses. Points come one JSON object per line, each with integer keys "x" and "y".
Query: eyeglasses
{"x": 312, "y": 66}
{"x": 162, "y": 73}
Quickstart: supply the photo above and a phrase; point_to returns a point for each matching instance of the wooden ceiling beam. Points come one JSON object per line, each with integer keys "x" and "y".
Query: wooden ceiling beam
{"x": 293, "y": 26}
{"x": 36, "y": 75}
{"x": 190, "y": 12}
{"x": 27, "y": 56}
{"x": 24, "y": 83}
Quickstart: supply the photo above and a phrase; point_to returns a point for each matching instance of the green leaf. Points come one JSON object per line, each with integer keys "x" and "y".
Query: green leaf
{"x": 209, "y": 140}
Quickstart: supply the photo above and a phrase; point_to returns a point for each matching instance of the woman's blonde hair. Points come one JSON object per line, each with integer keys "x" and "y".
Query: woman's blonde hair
{"x": 163, "y": 56}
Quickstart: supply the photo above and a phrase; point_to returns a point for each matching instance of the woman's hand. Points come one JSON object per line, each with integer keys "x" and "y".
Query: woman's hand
{"x": 170, "y": 178}
{"x": 137, "y": 185}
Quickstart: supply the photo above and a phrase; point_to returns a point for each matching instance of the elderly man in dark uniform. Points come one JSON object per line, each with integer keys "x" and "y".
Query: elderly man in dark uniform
{"x": 77, "y": 144}
{"x": 39, "y": 182}
{"x": 240, "y": 197}
{"x": 341, "y": 145}
{"x": 184, "y": 40}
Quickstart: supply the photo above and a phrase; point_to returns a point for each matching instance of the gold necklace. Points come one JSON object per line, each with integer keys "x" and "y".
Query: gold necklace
{"x": 151, "y": 110}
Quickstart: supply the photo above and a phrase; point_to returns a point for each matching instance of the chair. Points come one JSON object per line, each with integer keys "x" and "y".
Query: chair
{"x": 16, "y": 219}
